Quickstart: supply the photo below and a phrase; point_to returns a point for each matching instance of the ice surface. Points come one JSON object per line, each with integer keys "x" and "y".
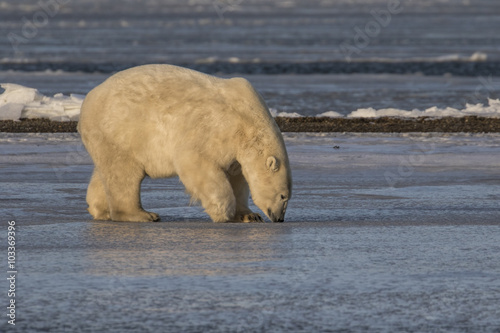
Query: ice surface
{"x": 384, "y": 233}
{"x": 390, "y": 178}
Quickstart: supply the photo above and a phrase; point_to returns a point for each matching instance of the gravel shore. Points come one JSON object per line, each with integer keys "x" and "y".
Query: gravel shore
{"x": 470, "y": 124}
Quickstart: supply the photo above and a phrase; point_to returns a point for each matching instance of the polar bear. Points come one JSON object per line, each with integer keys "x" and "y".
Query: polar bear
{"x": 215, "y": 134}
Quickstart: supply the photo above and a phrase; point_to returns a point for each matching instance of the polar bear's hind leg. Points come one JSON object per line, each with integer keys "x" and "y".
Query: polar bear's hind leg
{"x": 96, "y": 198}
{"x": 121, "y": 180}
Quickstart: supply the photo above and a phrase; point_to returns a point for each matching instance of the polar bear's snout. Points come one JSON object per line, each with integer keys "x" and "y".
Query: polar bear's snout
{"x": 278, "y": 213}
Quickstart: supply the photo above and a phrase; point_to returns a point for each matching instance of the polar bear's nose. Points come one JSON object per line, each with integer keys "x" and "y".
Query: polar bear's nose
{"x": 276, "y": 217}
{"x": 271, "y": 215}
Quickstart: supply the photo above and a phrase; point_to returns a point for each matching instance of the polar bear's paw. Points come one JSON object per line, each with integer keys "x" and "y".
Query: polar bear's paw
{"x": 249, "y": 218}
{"x": 99, "y": 215}
{"x": 140, "y": 216}
{"x": 154, "y": 217}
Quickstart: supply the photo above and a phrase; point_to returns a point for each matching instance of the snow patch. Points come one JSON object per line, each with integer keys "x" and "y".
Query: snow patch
{"x": 275, "y": 114}
{"x": 491, "y": 110}
{"x": 18, "y": 102}
{"x": 330, "y": 114}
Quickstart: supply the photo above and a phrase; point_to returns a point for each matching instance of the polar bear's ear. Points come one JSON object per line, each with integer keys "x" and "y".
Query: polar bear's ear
{"x": 273, "y": 163}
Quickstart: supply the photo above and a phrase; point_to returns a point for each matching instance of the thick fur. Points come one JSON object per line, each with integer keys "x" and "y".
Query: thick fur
{"x": 216, "y": 134}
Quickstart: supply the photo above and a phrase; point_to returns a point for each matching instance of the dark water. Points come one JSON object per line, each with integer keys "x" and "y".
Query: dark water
{"x": 113, "y": 32}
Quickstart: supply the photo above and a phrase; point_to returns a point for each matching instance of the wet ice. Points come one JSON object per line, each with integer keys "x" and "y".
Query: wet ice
{"x": 354, "y": 253}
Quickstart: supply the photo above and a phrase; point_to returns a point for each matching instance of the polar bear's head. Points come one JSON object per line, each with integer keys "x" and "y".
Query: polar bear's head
{"x": 270, "y": 184}
{"x": 274, "y": 200}
{"x": 261, "y": 150}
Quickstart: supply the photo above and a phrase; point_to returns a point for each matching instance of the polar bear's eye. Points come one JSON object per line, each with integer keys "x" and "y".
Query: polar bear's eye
{"x": 283, "y": 197}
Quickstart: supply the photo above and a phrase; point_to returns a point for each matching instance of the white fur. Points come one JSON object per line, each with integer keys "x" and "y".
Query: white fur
{"x": 216, "y": 134}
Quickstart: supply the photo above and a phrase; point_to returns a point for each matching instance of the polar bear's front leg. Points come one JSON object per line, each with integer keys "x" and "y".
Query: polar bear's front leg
{"x": 241, "y": 193}
{"x": 207, "y": 183}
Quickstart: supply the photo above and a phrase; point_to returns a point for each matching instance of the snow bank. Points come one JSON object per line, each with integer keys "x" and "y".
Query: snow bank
{"x": 18, "y": 102}
{"x": 330, "y": 114}
{"x": 491, "y": 110}
{"x": 276, "y": 113}
{"x": 22, "y": 102}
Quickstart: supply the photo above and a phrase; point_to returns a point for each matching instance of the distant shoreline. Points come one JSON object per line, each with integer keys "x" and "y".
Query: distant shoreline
{"x": 463, "y": 67}
{"x": 468, "y": 124}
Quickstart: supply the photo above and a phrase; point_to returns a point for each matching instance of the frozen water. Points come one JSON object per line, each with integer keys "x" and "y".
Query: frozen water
{"x": 352, "y": 177}
{"x": 384, "y": 233}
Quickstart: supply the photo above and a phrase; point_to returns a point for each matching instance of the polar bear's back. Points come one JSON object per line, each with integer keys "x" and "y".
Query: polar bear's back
{"x": 154, "y": 76}
{"x": 168, "y": 89}
{"x": 155, "y": 85}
